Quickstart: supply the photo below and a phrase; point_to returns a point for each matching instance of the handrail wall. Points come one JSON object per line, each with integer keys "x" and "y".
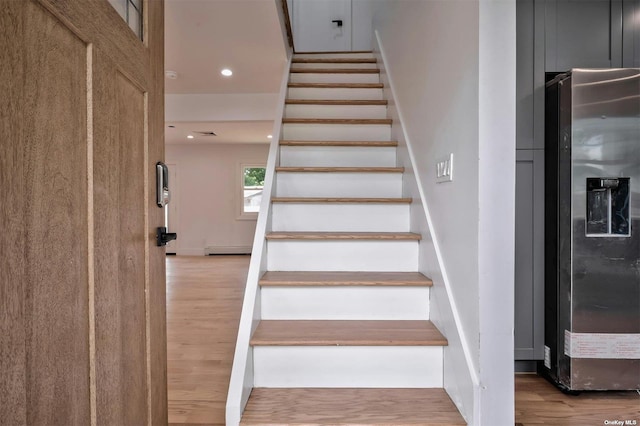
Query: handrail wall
{"x": 241, "y": 382}
{"x": 461, "y": 380}
{"x": 285, "y": 20}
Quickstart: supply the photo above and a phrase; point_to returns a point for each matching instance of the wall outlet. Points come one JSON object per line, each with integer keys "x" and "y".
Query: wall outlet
{"x": 444, "y": 169}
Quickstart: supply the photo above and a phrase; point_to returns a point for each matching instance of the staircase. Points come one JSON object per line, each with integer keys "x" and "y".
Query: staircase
{"x": 344, "y": 336}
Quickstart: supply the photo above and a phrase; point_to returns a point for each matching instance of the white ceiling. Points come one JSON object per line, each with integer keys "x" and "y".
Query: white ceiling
{"x": 201, "y": 38}
{"x": 226, "y": 131}
{"x": 204, "y": 36}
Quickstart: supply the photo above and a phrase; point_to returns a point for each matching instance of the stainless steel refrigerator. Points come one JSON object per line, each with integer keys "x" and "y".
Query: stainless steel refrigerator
{"x": 592, "y": 230}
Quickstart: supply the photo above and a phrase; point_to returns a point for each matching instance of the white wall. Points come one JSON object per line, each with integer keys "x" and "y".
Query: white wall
{"x": 434, "y": 67}
{"x": 452, "y": 64}
{"x": 361, "y": 15}
{"x": 361, "y": 33}
{"x": 208, "y": 194}
{"x": 496, "y": 245}
{"x": 220, "y": 107}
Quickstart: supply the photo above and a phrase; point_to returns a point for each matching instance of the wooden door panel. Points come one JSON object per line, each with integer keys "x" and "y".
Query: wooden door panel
{"x": 119, "y": 170}
{"x": 82, "y": 290}
{"x": 13, "y": 316}
{"x": 98, "y": 23}
{"x": 56, "y": 252}
{"x": 156, "y": 295}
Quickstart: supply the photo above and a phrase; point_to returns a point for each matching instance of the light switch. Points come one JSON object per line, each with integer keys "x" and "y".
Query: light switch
{"x": 444, "y": 169}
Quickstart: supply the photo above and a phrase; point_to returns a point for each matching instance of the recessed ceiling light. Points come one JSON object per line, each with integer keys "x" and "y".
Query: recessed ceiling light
{"x": 190, "y": 136}
{"x": 226, "y": 72}
{"x": 269, "y": 136}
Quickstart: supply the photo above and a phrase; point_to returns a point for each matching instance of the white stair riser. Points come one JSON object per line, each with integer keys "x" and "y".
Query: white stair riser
{"x": 333, "y": 55}
{"x": 328, "y": 255}
{"x": 307, "y": 65}
{"x": 305, "y": 77}
{"x": 333, "y": 93}
{"x": 340, "y": 217}
{"x": 335, "y": 111}
{"x": 294, "y": 184}
{"x": 348, "y": 366}
{"x": 337, "y": 156}
{"x": 336, "y": 132}
{"x": 345, "y": 303}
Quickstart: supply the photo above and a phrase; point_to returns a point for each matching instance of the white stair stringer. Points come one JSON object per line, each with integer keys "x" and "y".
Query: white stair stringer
{"x": 348, "y": 366}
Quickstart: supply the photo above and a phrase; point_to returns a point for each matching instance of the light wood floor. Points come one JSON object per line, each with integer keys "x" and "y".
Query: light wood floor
{"x": 538, "y": 402}
{"x": 204, "y": 298}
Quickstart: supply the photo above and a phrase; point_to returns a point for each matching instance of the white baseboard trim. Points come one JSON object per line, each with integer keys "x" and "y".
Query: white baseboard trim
{"x": 227, "y": 250}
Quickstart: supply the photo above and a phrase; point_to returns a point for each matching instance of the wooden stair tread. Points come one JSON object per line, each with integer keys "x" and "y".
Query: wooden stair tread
{"x": 338, "y": 143}
{"x": 334, "y": 71}
{"x": 392, "y": 236}
{"x": 341, "y": 169}
{"x": 334, "y": 60}
{"x": 322, "y": 278}
{"x": 338, "y": 85}
{"x": 347, "y": 333}
{"x": 337, "y": 200}
{"x": 335, "y": 102}
{"x": 333, "y": 52}
{"x": 383, "y": 121}
{"x": 349, "y": 406}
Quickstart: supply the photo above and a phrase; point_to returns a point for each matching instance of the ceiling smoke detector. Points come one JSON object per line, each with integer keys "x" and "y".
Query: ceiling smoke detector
{"x": 171, "y": 75}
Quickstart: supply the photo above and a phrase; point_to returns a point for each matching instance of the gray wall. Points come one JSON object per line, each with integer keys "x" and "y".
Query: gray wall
{"x": 554, "y": 36}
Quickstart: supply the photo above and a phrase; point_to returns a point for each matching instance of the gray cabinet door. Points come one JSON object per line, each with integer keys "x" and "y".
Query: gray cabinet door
{"x": 631, "y": 34}
{"x": 530, "y": 68}
{"x": 583, "y": 34}
{"x": 529, "y": 254}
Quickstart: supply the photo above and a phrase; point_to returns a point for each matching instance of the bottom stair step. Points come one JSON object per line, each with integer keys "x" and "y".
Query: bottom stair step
{"x": 291, "y": 406}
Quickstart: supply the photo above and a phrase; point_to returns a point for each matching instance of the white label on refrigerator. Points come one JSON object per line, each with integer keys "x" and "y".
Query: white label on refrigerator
{"x": 602, "y": 345}
{"x": 547, "y": 357}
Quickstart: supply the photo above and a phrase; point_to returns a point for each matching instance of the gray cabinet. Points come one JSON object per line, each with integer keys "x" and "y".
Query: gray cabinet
{"x": 631, "y": 33}
{"x": 529, "y": 256}
{"x": 583, "y": 34}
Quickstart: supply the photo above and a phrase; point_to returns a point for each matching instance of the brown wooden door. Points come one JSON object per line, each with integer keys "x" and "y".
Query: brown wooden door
{"x": 82, "y": 283}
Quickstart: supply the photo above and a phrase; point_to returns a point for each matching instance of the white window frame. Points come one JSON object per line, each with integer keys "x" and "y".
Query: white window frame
{"x": 242, "y": 215}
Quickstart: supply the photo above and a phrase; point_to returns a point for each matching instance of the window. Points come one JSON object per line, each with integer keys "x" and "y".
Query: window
{"x": 252, "y": 177}
{"x": 131, "y": 12}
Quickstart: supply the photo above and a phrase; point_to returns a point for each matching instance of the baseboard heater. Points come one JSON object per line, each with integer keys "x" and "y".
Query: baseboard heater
{"x": 212, "y": 250}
